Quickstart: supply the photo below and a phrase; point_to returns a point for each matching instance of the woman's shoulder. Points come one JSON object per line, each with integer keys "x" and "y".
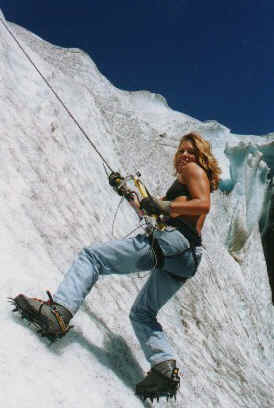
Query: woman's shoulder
{"x": 193, "y": 168}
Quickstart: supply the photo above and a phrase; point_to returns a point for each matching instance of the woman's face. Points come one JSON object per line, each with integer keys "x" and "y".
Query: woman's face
{"x": 186, "y": 154}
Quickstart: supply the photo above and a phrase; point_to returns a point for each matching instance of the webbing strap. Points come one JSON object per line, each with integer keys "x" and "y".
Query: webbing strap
{"x": 60, "y": 321}
{"x": 157, "y": 251}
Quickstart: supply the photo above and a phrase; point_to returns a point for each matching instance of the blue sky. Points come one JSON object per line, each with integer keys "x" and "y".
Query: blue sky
{"x": 209, "y": 59}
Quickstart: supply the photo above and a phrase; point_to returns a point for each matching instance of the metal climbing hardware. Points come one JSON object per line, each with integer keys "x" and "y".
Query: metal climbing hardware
{"x": 134, "y": 196}
{"x": 50, "y": 318}
{"x": 118, "y": 183}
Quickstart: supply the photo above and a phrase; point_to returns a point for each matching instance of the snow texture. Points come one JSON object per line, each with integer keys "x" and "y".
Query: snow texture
{"x": 55, "y": 199}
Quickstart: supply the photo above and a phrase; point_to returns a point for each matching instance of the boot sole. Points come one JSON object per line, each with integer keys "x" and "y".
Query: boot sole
{"x": 162, "y": 387}
{"x": 156, "y": 394}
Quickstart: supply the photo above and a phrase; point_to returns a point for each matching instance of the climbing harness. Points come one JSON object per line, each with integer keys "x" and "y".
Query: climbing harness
{"x": 153, "y": 223}
{"x": 150, "y": 223}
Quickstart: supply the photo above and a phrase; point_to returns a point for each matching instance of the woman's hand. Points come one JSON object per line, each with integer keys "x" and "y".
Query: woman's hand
{"x": 153, "y": 206}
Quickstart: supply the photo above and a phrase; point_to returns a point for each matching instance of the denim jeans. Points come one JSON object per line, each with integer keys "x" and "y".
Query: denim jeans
{"x": 128, "y": 256}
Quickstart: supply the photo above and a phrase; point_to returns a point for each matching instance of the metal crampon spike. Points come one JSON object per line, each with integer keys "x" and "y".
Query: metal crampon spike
{"x": 156, "y": 396}
{"x": 12, "y": 303}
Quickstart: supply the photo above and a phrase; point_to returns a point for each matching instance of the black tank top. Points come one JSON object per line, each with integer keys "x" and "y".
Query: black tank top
{"x": 178, "y": 189}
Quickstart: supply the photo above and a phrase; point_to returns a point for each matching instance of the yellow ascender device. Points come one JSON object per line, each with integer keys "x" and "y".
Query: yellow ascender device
{"x": 144, "y": 194}
{"x": 119, "y": 183}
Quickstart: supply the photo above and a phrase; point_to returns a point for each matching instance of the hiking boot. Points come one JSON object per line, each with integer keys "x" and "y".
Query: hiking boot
{"x": 162, "y": 380}
{"x": 51, "y": 318}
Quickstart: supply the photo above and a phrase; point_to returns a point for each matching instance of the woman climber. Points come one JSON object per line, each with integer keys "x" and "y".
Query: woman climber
{"x": 176, "y": 254}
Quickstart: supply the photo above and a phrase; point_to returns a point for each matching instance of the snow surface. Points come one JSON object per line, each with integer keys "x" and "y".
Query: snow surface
{"x": 55, "y": 199}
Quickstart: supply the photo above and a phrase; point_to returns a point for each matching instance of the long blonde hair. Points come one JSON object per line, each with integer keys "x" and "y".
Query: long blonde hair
{"x": 204, "y": 157}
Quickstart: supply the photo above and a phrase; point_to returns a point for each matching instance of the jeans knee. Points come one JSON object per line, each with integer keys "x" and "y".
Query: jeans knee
{"x": 132, "y": 314}
{"x": 88, "y": 262}
{"x": 136, "y": 314}
{"x": 86, "y": 253}
{"x": 89, "y": 254}
{"x": 143, "y": 321}
{"x": 139, "y": 314}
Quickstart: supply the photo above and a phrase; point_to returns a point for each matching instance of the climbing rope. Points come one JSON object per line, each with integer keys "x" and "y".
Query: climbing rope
{"x": 55, "y": 93}
{"x": 140, "y": 186}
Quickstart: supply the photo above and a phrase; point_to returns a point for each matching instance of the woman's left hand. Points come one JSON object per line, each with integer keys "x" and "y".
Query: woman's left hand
{"x": 153, "y": 206}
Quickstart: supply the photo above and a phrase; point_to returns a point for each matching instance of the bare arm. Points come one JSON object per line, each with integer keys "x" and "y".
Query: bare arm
{"x": 198, "y": 185}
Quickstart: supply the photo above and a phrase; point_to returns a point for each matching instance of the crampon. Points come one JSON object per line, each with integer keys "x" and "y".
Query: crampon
{"x": 157, "y": 395}
{"x": 161, "y": 381}
{"x": 49, "y": 318}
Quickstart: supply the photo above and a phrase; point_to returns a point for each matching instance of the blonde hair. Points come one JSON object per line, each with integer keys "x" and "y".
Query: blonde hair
{"x": 204, "y": 157}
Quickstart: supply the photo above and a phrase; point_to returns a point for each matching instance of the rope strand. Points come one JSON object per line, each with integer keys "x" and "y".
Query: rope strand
{"x": 70, "y": 115}
{"x": 55, "y": 93}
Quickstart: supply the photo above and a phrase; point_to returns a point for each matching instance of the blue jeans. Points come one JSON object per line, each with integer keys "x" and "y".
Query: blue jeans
{"x": 128, "y": 256}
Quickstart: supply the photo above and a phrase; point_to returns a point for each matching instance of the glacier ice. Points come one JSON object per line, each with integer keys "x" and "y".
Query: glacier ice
{"x": 55, "y": 199}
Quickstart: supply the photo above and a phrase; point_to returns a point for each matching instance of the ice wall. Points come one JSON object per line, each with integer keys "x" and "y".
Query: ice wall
{"x": 55, "y": 199}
